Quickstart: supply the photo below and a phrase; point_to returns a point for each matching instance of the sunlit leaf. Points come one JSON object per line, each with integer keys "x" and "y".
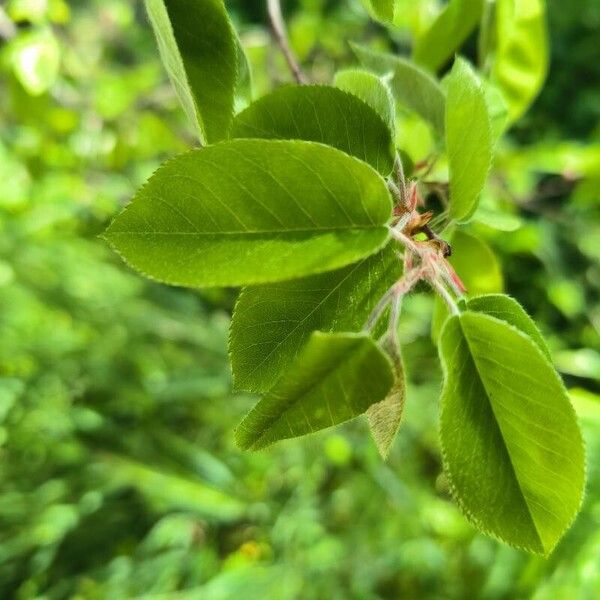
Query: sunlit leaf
{"x": 512, "y": 448}
{"x": 335, "y": 378}
{"x": 36, "y": 60}
{"x": 383, "y": 10}
{"x": 253, "y": 211}
{"x": 468, "y": 140}
{"x": 521, "y": 54}
{"x": 447, "y": 33}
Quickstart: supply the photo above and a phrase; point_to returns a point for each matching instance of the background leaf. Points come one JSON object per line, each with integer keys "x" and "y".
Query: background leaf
{"x": 382, "y": 10}
{"x": 451, "y": 28}
{"x": 271, "y": 323}
{"x": 336, "y": 377}
{"x": 468, "y": 140}
{"x": 521, "y": 54}
{"x": 253, "y": 211}
{"x": 320, "y": 114}
{"x": 511, "y": 444}
{"x": 412, "y": 87}
{"x": 199, "y": 49}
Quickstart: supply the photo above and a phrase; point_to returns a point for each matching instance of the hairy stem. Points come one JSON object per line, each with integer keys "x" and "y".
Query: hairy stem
{"x": 280, "y": 33}
{"x": 445, "y": 296}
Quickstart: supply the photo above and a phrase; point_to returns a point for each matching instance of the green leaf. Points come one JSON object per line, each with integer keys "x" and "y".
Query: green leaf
{"x": 468, "y": 140}
{"x": 512, "y": 448}
{"x": 335, "y": 378}
{"x": 272, "y": 323}
{"x": 385, "y": 417}
{"x": 35, "y": 57}
{"x": 243, "y": 89}
{"x": 447, "y": 33}
{"x": 253, "y": 211}
{"x": 199, "y": 49}
{"x": 413, "y": 87}
{"x": 383, "y": 10}
{"x": 505, "y": 308}
{"x": 478, "y": 268}
{"x": 320, "y": 114}
{"x": 521, "y": 54}
{"x": 372, "y": 90}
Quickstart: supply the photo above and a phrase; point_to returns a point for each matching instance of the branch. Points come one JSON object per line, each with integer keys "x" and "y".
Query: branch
{"x": 280, "y": 33}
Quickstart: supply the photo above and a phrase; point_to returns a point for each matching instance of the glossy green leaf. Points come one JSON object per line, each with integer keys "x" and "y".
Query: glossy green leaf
{"x": 505, "y": 308}
{"x": 253, "y": 211}
{"x": 383, "y": 10}
{"x": 412, "y": 86}
{"x": 320, "y": 114}
{"x": 478, "y": 268}
{"x": 199, "y": 49}
{"x": 451, "y": 28}
{"x": 271, "y": 323}
{"x": 468, "y": 140}
{"x": 512, "y": 448}
{"x": 521, "y": 53}
{"x": 372, "y": 90}
{"x": 335, "y": 378}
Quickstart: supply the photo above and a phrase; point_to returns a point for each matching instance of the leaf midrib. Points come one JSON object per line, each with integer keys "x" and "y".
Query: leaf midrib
{"x": 502, "y": 435}
{"x": 306, "y": 391}
{"x": 307, "y": 231}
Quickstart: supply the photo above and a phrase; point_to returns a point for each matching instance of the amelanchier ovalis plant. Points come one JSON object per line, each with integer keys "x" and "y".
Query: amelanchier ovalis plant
{"x": 306, "y": 198}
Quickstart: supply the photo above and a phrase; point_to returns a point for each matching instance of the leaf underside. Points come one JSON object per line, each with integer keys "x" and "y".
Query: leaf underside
{"x": 512, "y": 448}
{"x": 271, "y": 323}
{"x": 336, "y": 377}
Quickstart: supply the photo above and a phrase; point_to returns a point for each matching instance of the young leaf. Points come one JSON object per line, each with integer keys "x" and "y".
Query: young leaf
{"x": 468, "y": 140}
{"x": 335, "y": 378}
{"x": 372, "y": 90}
{"x": 413, "y": 87}
{"x": 512, "y": 448}
{"x": 521, "y": 53}
{"x": 272, "y": 323}
{"x": 478, "y": 268}
{"x": 385, "y": 417}
{"x": 199, "y": 49}
{"x": 382, "y": 10}
{"x": 507, "y": 309}
{"x": 253, "y": 211}
{"x": 320, "y": 114}
{"x": 447, "y": 33}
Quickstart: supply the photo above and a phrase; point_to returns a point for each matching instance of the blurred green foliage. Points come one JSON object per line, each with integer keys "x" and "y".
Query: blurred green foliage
{"x": 118, "y": 473}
